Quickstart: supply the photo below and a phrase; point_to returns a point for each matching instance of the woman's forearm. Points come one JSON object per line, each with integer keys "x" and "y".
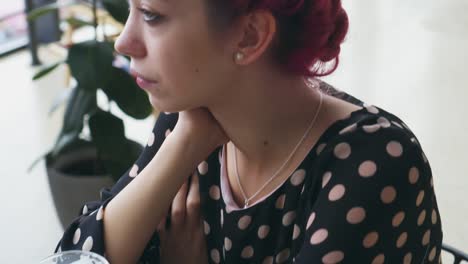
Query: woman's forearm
{"x": 131, "y": 218}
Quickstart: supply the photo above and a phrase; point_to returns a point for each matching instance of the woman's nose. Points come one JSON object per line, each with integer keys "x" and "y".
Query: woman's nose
{"x": 130, "y": 42}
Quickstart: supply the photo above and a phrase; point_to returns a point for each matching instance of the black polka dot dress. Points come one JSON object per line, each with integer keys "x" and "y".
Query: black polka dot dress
{"x": 363, "y": 194}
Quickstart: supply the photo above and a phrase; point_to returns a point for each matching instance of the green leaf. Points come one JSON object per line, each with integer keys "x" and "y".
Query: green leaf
{"x": 38, "y": 12}
{"x": 80, "y": 103}
{"x": 59, "y": 100}
{"x": 91, "y": 63}
{"x": 130, "y": 98}
{"x": 65, "y": 142}
{"x": 114, "y": 149}
{"x": 46, "y": 70}
{"x": 77, "y": 23}
{"x": 36, "y": 161}
{"x": 118, "y": 9}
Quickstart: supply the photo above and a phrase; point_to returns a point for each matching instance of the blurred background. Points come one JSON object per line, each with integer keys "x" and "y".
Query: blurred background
{"x": 407, "y": 57}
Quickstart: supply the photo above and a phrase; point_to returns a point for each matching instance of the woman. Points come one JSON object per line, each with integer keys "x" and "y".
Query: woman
{"x": 253, "y": 159}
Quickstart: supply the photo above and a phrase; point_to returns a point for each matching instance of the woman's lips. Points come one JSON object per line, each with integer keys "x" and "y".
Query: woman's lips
{"x": 145, "y": 83}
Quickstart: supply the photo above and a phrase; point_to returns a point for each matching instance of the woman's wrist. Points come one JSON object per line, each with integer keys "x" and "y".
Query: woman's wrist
{"x": 196, "y": 147}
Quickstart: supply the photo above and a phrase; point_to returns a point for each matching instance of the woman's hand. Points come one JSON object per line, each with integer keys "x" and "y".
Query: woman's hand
{"x": 183, "y": 241}
{"x": 199, "y": 125}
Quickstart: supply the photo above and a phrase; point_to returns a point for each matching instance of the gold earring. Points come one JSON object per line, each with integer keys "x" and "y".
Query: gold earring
{"x": 239, "y": 56}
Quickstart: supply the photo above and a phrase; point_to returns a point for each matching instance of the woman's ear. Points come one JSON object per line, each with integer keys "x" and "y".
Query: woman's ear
{"x": 257, "y": 31}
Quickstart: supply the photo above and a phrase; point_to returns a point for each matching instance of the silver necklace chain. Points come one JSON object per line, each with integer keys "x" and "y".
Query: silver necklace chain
{"x": 247, "y": 200}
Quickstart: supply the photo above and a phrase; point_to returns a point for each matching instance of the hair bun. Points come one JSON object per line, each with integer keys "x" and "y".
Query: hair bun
{"x": 332, "y": 47}
{"x": 287, "y": 7}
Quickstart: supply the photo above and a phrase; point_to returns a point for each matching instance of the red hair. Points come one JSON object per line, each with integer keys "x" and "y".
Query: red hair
{"x": 310, "y": 31}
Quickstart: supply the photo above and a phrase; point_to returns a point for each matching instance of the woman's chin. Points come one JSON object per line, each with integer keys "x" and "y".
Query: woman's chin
{"x": 161, "y": 106}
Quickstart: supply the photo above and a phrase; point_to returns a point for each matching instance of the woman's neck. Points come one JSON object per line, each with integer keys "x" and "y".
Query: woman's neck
{"x": 266, "y": 118}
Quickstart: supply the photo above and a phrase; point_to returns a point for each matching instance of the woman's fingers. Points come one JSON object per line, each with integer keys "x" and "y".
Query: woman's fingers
{"x": 193, "y": 201}
{"x": 178, "y": 209}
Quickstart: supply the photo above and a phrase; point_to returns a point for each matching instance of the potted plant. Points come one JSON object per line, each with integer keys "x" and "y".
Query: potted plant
{"x": 79, "y": 166}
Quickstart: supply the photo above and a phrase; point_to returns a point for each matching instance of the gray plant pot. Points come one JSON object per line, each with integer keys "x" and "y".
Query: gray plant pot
{"x": 73, "y": 181}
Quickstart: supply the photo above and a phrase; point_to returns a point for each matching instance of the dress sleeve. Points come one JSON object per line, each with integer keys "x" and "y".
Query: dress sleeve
{"x": 374, "y": 203}
{"x": 86, "y": 230}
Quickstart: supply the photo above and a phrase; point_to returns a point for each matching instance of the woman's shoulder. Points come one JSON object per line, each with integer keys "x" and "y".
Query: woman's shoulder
{"x": 366, "y": 126}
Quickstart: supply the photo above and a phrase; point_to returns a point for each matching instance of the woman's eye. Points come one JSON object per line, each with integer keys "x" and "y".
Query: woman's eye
{"x": 149, "y": 16}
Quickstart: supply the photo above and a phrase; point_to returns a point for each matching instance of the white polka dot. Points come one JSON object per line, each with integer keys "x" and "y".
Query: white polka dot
{"x": 319, "y": 236}
{"x": 348, "y": 129}
{"x": 424, "y": 156}
{"x": 371, "y": 128}
{"x": 333, "y": 257}
{"x": 426, "y": 238}
{"x": 342, "y": 150}
{"x": 268, "y": 260}
{"x": 280, "y": 201}
{"x": 227, "y": 244}
{"x": 413, "y": 175}
{"x": 370, "y": 239}
{"x": 222, "y": 217}
{"x": 263, "y": 231}
{"x": 372, "y": 109}
{"x": 220, "y": 156}
{"x": 356, "y": 215}
{"x": 88, "y": 244}
{"x": 311, "y": 220}
{"x": 407, "y": 259}
{"x": 396, "y": 124}
{"x": 215, "y": 255}
{"x": 85, "y": 210}
{"x": 384, "y": 122}
{"x": 215, "y": 192}
{"x": 421, "y": 217}
{"x": 288, "y": 218}
{"x": 247, "y": 252}
{"x": 336, "y": 192}
{"x": 167, "y": 113}
{"x": 402, "y": 240}
{"x": 150, "y": 140}
{"x": 203, "y": 168}
{"x": 388, "y": 194}
{"x": 379, "y": 259}
{"x": 76, "y": 236}
{"x": 420, "y": 198}
{"x": 326, "y": 178}
{"x": 398, "y": 218}
{"x": 100, "y": 214}
{"x": 434, "y": 217}
{"x": 367, "y": 168}
{"x": 406, "y": 126}
{"x": 297, "y": 232}
{"x": 244, "y": 222}
{"x": 134, "y": 171}
{"x": 283, "y": 256}
{"x": 394, "y": 149}
{"x": 298, "y": 177}
{"x": 432, "y": 254}
{"x": 206, "y": 227}
{"x": 168, "y": 132}
{"x": 320, "y": 148}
